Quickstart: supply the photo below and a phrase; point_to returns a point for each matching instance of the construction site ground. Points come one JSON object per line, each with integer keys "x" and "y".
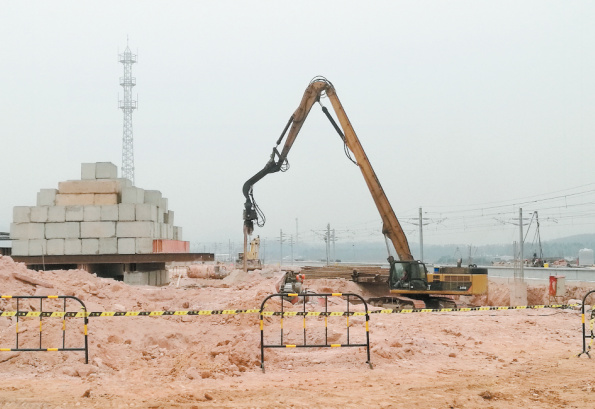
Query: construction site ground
{"x": 478, "y": 359}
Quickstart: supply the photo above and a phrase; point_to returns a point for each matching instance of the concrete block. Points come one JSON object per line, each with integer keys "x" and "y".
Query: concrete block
{"x": 88, "y": 171}
{"x": 126, "y": 246}
{"x": 72, "y": 246}
{"x": 153, "y": 197}
{"x": 55, "y": 247}
{"x": 75, "y": 213}
{"x": 75, "y": 199}
{"x": 177, "y": 233}
{"x": 126, "y": 212}
{"x": 57, "y": 214}
{"x": 21, "y": 214}
{"x": 88, "y": 186}
{"x": 169, "y": 217}
{"x": 106, "y": 170}
{"x": 89, "y": 246}
{"x": 46, "y": 197}
{"x": 155, "y": 278}
{"x": 27, "y": 231}
{"x": 170, "y": 232}
{"x": 163, "y": 205}
{"x": 108, "y": 245}
{"x": 90, "y": 230}
{"x": 20, "y": 247}
{"x": 37, "y": 247}
{"x": 105, "y": 199}
{"x": 122, "y": 183}
{"x": 146, "y": 212}
{"x": 66, "y": 230}
{"x": 159, "y": 215}
{"x": 135, "y": 229}
{"x": 39, "y": 214}
{"x": 144, "y": 245}
{"x": 110, "y": 212}
{"x": 92, "y": 213}
{"x": 133, "y": 195}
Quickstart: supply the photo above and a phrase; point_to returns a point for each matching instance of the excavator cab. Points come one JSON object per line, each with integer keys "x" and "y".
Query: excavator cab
{"x": 407, "y": 275}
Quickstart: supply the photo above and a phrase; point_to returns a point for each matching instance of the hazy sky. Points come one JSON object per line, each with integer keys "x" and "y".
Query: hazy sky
{"x": 465, "y": 108}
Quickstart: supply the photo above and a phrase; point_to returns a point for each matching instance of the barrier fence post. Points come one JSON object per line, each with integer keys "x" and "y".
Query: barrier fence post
{"x": 592, "y": 336}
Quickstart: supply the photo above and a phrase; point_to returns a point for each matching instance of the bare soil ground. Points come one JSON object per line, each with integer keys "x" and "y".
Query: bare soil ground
{"x": 487, "y": 359}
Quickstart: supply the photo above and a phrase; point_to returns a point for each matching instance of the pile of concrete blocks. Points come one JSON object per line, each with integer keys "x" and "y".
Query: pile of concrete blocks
{"x": 99, "y": 214}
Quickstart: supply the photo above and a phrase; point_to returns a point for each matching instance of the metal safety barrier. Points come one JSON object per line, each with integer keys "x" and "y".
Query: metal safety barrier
{"x": 305, "y": 314}
{"x": 18, "y": 314}
{"x": 591, "y": 336}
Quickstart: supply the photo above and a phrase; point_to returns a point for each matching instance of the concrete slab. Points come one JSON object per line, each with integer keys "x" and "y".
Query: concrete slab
{"x": 21, "y": 214}
{"x": 105, "y": 199}
{"x": 91, "y": 230}
{"x": 153, "y": 197}
{"x": 108, "y": 245}
{"x": 106, "y": 170}
{"x": 20, "y": 247}
{"x": 57, "y": 214}
{"x": 134, "y": 195}
{"x": 155, "y": 278}
{"x": 92, "y": 213}
{"x": 126, "y": 212}
{"x": 144, "y": 245}
{"x": 39, "y": 214}
{"x": 88, "y": 186}
{"x": 88, "y": 171}
{"x": 37, "y": 247}
{"x": 72, "y": 246}
{"x": 126, "y": 246}
{"x": 27, "y": 231}
{"x": 75, "y": 213}
{"x": 110, "y": 213}
{"x": 46, "y": 197}
{"x": 146, "y": 212}
{"x": 55, "y": 247}
{"x": 75, "y": 199}
{"x": 66, "y": 230}
{"x": 89, "y": 246}
{"x": 135, "y": 229}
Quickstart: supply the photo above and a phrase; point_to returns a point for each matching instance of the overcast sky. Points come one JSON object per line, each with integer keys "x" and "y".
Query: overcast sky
{"x": 468, "y": 109}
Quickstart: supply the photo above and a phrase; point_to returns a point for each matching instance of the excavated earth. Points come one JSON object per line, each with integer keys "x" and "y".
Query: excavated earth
{"x": 478, "y": 359}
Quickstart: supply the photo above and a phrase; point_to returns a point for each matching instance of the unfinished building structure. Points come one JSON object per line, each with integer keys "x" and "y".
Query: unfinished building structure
{"x": 103, "y": 224}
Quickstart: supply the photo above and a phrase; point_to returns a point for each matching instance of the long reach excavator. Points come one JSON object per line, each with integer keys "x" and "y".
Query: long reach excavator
{"x": 409, "y": 283}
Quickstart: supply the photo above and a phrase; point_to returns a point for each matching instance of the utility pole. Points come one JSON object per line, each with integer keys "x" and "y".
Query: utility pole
{"x": 281, "y": 244}
{"x": 521, "y": 256}
{"x": 421, "y": 237}
{"x": 328, "y": 242}
{"x": 334, "y": 248}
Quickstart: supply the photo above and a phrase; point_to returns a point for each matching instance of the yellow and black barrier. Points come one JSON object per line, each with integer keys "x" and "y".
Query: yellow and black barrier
{"x": 44, "y": 314}
{"x": 591, "y": 336}
{"x": 305, "y": 314}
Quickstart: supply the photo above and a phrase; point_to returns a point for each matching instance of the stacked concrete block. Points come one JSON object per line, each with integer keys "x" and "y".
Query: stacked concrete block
{"x": 98, "y": 214}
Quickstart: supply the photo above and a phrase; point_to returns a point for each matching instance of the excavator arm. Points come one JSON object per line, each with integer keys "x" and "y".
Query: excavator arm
{"x": 278, "y": 162}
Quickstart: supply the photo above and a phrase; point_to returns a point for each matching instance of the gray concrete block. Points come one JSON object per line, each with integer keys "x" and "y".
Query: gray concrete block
{"x": 90, "y": 230}
{"x": 144, "y": 245}
{"x": 21, "y": 214}
{"x": 75, "y": 213}
{"x": 163, "y": 205}
{"x": 57, "y": 214}
{"x": 169, "y": 217}
{"x": 66, "y": 230}
{"x": 88, "y": 171}
{"x": 110, "y": 213}
{"x": 106, "y": 170}
{"x": 20, "y": 247}
{"x": 134, "y": 195}
{"x": 91, "y": 213}
{"x": 126, "y": 245}
{"x": 108, "y": 245}
{"x": 155, "y": 278}
{"x": 39, "y": 214}
{"x": 159, "y": 215}
{"x": 72, "y": 246}
{"x": 146, "y": 212}
{"x": 37, "y": 247}
{"x": 153, "y": 197}
{"x": 55, "y": 247}
{"x": 46, "y": 197}
{"x": 177, "y": 233}
{"x": 89, "y": 246}
{"x": 27, "y": 231}
{"x": 135, "y": 229}
{"x": 126, "y": 212}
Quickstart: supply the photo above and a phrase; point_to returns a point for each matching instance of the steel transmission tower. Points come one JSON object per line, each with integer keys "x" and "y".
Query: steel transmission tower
{"x": 127, "y": 105}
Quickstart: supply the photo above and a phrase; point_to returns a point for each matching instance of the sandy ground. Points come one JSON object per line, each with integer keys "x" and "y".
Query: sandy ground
{"x": 488, "y": 359}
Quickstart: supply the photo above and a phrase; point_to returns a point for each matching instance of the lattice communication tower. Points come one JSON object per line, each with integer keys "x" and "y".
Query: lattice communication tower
{"x": 127, "y": 105}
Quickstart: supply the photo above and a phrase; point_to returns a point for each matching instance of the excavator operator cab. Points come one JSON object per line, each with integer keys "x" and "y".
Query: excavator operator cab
{"x": 408, "y": 275}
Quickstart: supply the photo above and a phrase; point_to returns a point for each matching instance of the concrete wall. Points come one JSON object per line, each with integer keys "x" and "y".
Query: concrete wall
{"x": 541, "y": 275}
